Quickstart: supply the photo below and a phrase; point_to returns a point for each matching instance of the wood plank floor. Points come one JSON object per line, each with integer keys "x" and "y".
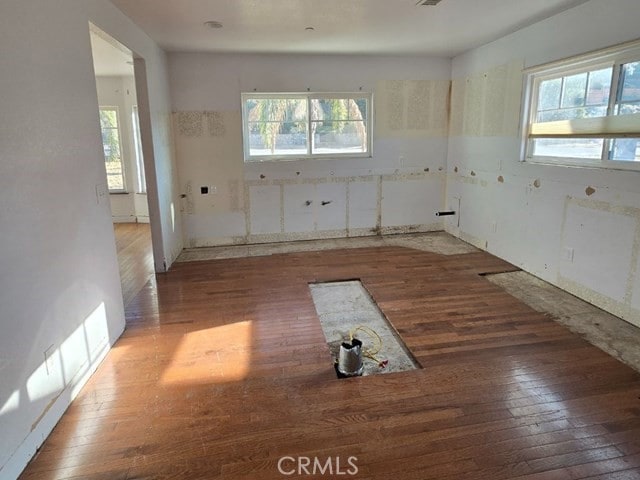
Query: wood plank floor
{"x": 224, "y": 369}
{"x": 135, "y": 257}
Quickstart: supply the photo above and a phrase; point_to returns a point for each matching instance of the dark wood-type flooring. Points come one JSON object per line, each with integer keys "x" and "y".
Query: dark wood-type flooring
{"x": 224, "y": 369}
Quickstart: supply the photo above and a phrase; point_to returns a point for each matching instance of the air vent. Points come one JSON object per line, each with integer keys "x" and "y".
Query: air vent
{"x": 428, "y": 3}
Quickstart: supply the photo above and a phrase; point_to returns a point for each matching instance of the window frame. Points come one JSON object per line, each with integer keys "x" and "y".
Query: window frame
{"x": 141, "y": 178}
{"x": 308, "y": 96}
{"x": 118, "y": 127}
{"x": 614, "y": 57}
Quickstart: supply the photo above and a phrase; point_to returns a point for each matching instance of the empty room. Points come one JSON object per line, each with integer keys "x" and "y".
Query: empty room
{"x": 370, "y": 239}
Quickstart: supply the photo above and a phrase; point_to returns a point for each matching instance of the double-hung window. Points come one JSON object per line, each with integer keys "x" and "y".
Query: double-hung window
{"x": 586, "y": 111}
{"x": 110, "y": 128}
{"x": 278, "y": 126}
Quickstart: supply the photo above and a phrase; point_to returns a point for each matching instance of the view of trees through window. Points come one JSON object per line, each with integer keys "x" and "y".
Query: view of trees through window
{"x": 112, "y": 150}
{"x": 306, "y": 125}
{"x": 587, "y": 95}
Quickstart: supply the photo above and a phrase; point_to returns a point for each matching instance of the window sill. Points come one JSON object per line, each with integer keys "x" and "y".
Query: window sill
{"x": 296, "y": 158}
{"x": 571, "y": 163}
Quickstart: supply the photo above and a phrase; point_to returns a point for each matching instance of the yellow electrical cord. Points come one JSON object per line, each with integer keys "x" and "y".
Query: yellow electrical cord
{"x": 377, "y": 343}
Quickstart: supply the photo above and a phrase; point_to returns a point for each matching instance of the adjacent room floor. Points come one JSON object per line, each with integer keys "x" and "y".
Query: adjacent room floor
{"x": 135, "y": 257}
{"x": 224, "y": 370}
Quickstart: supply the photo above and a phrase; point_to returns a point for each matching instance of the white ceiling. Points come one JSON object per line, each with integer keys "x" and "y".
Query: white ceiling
{"x": 109, "y": 57}
{"x": 341, "y": 26}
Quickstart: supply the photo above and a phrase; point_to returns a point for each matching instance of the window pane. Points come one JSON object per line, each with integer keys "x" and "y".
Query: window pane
{"x": 568, "y": 147}
{"x": 277, "y": 109}
{"x": 277, "y": 138}
{"x": 577, "y": 100}
{"x": 339, "y": 137}
{"x": 571, "y": 113}
{"x": 329, "y": 109}
{"x": 629, "y": 96}
{"x": 599, "y": 87}
{"x": 573, "y": 94}
{"x": 549, "y": 96}
{"x": 625, "y": 149}
{"x": 108, "y": 119}
{"x": 361, "y": 113}
{"x": 111, "y": 148}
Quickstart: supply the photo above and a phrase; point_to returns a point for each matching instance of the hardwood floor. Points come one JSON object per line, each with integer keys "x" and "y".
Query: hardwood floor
{"x": 135, "y": 257}
{"x": 224, "y": 369}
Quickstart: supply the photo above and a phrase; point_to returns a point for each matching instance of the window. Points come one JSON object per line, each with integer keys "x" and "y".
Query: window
{"x": 112, "y": 149}
{"x": 586, "y": 111}
{"x": 281, "y": 126}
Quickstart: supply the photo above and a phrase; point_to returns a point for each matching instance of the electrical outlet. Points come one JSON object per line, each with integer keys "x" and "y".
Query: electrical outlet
{"x": 213, "y": 189}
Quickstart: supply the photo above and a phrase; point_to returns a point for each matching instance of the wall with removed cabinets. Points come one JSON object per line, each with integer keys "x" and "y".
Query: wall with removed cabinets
{"x": 399, "y": 189}
{"x": 578, "y": 228}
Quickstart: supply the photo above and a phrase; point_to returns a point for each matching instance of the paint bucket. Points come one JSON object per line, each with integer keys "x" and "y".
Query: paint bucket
{"x": 350, "y": 358}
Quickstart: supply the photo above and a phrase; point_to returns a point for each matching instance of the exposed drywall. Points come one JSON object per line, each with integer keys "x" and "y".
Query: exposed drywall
{"x": 577, "y": 228}
{"x": 398, "y": 189}
{"x": 60, "y": 294}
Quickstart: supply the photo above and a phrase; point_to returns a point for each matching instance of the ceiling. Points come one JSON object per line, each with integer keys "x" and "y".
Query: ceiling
{"x": 340, "y": 26}
{"x": 110, "y": 58}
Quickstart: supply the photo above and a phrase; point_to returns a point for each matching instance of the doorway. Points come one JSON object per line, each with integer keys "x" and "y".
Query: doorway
{"x": 124, "y": 160}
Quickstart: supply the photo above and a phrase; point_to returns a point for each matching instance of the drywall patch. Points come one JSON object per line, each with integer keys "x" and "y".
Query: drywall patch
{"x": 394, "y": 103}
{"x": 234, "y": 195}
{"x": 215, "y": 124}
{"x": 189, "y": 123}
{"x": 188, "y": 198}
{"x": 409, "y": 108}
{"x": 603, "y": 239}
{"x": 487, "y": 104}
{"x": 590, "y": 191}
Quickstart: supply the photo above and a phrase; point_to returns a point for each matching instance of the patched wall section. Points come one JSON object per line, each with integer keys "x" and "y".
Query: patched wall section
{"x": 398, "y": 189}
{"x": 576, "y": 228}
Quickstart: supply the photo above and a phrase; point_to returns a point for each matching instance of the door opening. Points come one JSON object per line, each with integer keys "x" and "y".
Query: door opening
{"x": 123, "y": 144}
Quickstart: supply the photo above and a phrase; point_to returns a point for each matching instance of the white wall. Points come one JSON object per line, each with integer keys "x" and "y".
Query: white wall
{"x": 397, "y": 190}
{"x": 533, "y": 215}
{"x": 59, "y": 283}
{"x": 120, "y": 91}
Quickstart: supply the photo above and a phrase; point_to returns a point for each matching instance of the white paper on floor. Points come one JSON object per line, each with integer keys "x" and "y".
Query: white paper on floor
{"x": 343, "y": 306}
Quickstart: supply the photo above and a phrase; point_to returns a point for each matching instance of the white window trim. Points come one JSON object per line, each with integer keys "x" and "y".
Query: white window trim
{"x": 308, "y": 96}
{"x": 141, "y": 180}
{"x": 122, "y": 162}
{"x": 607, "y": 127}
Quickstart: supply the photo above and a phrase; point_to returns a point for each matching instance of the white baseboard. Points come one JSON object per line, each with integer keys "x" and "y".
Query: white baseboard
{"x": 123, "y": 219}
{"x": 20, "y": 458}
